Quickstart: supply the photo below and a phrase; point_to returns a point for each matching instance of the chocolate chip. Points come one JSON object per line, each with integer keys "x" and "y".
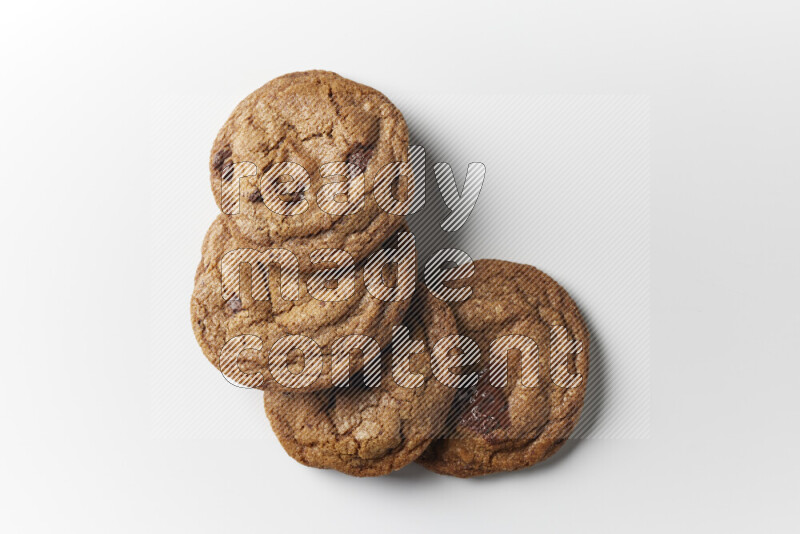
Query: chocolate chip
{"x": 221, "y": 156}
{"x": 255, "y": 196}
{"x": 360, "y": 155}
{"x": 234, "y": 305}
{"x": 297, "y": 196}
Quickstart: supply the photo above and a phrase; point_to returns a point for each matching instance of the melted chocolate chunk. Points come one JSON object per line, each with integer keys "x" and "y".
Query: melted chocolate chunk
{"x": 486, "y": 409}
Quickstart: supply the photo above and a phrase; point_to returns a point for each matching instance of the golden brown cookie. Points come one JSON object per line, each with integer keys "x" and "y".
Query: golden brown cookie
{"x": 308, "y": 118}
{"x": 258, "y": 307}
{"x": 506, "y": 428}
{"x": 370, "y": 431}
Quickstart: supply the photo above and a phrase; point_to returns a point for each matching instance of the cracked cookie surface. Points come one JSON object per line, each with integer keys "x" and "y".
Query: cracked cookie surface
{"x": 216, "y": 320}
{"x": 369, "y": 431}
{"x": 309, "y": 118}
{"x": 491, "y": 428}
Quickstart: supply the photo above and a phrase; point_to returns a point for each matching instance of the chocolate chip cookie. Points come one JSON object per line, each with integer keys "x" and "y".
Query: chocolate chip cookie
{"x": 368, "y": 431}
{"x": 255, "y": 309}
{"x": 525, "y": 405}
{"x": 273, "y": 146}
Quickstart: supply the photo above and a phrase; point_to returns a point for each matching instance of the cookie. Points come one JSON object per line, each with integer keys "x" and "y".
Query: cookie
{"x": 309, "y": 119}
{"x": 515, "y": 426}
{"x": 259, "y": 308}
{"x": 369, "y": 431}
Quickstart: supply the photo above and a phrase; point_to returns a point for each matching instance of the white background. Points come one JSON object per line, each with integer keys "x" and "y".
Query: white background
{"x": 87, "y": 88}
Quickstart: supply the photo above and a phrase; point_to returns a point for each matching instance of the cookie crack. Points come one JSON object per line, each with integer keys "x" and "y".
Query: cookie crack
{"x": 336, "y": 107}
